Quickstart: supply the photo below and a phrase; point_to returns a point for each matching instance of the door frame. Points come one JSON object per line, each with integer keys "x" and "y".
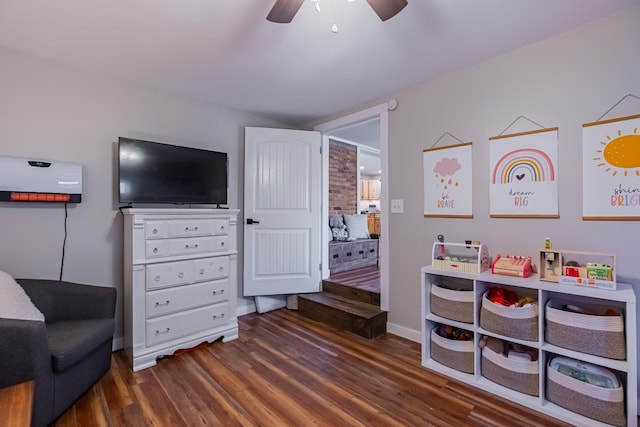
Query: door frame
{"x": 380, "y": 112}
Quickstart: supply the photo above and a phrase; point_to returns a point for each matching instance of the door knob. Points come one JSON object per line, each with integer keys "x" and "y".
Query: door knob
{"x": 252, "y": 221}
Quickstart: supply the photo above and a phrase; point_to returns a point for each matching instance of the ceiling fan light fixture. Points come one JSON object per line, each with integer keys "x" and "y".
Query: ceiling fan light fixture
{"x": 283, "y": 11}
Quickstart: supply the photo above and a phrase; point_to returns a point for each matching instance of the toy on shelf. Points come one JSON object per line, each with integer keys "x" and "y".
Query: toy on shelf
{"x": 595, "y": 270}
{"x": 512, "y": 265}
{"x": 471, "y": 257}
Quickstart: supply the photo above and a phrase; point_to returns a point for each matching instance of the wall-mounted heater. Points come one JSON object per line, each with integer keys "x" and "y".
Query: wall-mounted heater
{"x": 38, "y": 180}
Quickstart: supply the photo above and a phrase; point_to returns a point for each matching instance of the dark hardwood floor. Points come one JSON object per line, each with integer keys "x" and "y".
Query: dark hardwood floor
{"x": 366, "y": 278}
{"x": 286, "y": 370}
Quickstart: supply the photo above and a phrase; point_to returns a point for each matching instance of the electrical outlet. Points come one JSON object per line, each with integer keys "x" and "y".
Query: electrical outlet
{"x": 397, "y": 206}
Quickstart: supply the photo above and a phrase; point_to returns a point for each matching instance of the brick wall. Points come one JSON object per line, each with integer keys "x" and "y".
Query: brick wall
{"x": 343, "y": 183}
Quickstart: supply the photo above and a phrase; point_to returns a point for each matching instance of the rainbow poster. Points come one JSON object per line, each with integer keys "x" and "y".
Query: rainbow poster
{"x": 524, "y": 174}
{"x": 448, "y": 181}
{"x": 611, "y": 169}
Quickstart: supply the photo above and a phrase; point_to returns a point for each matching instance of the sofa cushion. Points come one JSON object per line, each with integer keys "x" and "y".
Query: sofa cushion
{"x": 70, "y": 341}
{"x": 14, "y": 302}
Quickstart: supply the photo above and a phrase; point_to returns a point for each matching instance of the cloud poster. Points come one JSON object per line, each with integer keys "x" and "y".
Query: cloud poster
{"x": 448, "y": 181}
{"x": 523, "y": 174}
{"x": 611, "y": 169}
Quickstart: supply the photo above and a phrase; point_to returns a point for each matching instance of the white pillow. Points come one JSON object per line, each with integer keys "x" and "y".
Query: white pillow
{"x": 357, "y": 226}
{"x": 14, "y": 302}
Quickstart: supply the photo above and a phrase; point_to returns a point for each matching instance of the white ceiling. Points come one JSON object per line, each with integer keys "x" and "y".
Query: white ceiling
{"x": 226, "y": 53}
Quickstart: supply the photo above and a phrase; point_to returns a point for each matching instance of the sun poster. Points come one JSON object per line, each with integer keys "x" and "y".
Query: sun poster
{"x": 448, "y": 181}
{"x": 523, "y": 174}
{"x": 611, "y": 169}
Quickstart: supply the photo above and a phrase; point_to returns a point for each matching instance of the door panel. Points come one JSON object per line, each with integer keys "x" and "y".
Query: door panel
{"x": 282, "y": 200}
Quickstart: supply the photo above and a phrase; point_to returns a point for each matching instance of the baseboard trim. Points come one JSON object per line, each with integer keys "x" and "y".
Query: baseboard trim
{"x": 404, "y": 332}
{"x": 118, "y": 344}
{"x": 246, "y": 309}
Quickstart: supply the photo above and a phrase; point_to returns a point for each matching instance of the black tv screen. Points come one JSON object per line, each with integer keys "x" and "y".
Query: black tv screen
{"x": 151, "y": 172}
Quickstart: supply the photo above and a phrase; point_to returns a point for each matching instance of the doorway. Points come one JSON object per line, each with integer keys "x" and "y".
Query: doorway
{"x": 347, "y": 128}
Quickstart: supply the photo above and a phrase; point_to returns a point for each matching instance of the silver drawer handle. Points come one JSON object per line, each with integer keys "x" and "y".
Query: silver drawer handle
{"x": 158, "y": 304}
{"x": 166, "y": 331}
{"x": 222, "y": 228}
{"x": 216, "y": 316}
{"x": 155, "y": 231}
{"x": 155, "y": 250}
{"x": 191, "y": 246}
{"x": 216, "y": 292}
{"x": 180, "y": 275}
{"x": 202, "y": 271}
{"x": 156, "y": 279}
{"x": 191, "y": 228}
{"x": 222, "y": 244}
{"x": 221, "y": 269}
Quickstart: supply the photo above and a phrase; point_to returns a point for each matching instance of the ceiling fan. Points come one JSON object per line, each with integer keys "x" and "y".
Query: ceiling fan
{"x": 283, "y": 11}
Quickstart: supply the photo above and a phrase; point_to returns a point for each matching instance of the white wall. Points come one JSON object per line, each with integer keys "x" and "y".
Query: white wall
{"x": 563, "y": 81}
{"x": 54, "y": 112}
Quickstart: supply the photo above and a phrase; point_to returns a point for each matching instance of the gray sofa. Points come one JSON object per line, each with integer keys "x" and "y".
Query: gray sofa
{"x": 68, "y": 353}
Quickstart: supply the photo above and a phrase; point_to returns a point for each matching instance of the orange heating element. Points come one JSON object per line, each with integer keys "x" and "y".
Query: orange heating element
{"x": 40, "y": 197}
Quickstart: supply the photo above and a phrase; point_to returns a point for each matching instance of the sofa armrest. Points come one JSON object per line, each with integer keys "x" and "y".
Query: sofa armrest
{"x": 63, "y": 301}
{"x": 25, "y": 352}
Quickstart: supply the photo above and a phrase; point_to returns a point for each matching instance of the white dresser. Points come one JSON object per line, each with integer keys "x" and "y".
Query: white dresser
{"x": 180, "y": 280}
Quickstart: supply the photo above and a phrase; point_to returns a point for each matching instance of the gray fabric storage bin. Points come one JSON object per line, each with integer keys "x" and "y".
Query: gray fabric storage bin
{"x": 452, "y": 304}
{"x": 598, "y": 335}
{"x": 456, "y": 355}
{"x": 601, "y": 404}
{"x": 520, "y": 323}
{"x": 518, "y": 375}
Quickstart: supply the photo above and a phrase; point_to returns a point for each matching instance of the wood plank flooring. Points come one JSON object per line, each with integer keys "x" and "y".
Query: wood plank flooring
{"x": 286, "y": 370}
{"x": 367, "y": 278}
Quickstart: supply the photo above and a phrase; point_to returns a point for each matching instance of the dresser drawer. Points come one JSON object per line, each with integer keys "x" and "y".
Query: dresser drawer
{"x": 166, "y": 301}
{"x": 156, "y": 248}
{"x": 156, "y": 230}
{"x": 194, "y": 245}
{"x": 169, "y": 274}
{"x": 178, "y": 325}
{"x": 211, "y": 268}
{"x": 207, "y": 227}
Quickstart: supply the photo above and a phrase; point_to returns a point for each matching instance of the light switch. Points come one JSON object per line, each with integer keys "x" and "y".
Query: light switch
{"x": 397, "y": 206}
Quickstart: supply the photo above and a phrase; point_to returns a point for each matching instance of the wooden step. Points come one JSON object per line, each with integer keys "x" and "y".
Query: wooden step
{"x": 352, "y": 293}
{"x": 362, "y": 319}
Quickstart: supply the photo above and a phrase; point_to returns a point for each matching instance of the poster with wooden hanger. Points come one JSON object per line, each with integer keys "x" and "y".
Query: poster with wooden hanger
{"x": 611, "y": 169}
{"x": 448, "y": 181}
{"x": 523, "y": 174}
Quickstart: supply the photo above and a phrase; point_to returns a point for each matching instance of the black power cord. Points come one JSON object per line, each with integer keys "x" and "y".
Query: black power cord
{"x": 64, "y": 241}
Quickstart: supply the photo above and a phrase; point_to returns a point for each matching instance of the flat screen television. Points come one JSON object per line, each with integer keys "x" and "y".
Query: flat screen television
{"x": 151, "y": 172}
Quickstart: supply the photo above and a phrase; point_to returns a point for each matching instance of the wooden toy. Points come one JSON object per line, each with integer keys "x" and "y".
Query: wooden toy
{"x": 468, "y": 258}
{"x": 512, "y": 265}
{"x": 590, "y": 269}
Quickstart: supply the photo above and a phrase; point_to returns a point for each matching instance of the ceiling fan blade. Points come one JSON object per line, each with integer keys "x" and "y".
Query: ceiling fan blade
{"x": 386, "y": 9}
{"x": 284, "y": 10}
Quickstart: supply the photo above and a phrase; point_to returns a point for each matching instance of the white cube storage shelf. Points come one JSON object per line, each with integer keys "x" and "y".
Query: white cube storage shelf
{"x": 535, "y": 396}
{"x": 180, "y": 280}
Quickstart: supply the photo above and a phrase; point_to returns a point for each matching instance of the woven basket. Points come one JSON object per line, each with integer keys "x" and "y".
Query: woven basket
{"x": 514, "y": 322}
{"x": 518, "y": 375}
{"x": 457, "y": 355}
{"x": 597, "y": 335}
{"x": 451, "y": 304}
{"x": 601, "y": 404}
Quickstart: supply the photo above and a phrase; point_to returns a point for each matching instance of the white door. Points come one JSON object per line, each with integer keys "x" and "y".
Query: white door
{"x": 282, "y": 195}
